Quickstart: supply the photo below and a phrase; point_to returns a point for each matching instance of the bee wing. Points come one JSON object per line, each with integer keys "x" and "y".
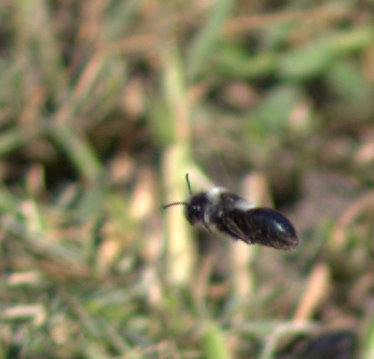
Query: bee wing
{"x": 260, "y": 225}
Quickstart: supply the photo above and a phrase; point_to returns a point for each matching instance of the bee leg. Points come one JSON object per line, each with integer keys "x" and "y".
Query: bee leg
{"x": 207, "y": 227}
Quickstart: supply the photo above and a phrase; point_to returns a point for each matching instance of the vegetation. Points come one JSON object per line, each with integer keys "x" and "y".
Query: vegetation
{"x": 106, "y": 105}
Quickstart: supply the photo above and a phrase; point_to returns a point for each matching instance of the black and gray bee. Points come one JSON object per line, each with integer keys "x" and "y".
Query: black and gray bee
{"x": 223, "y": 211}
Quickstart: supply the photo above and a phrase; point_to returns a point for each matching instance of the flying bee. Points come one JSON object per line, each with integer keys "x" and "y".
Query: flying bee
{"x": 220, "y": 210}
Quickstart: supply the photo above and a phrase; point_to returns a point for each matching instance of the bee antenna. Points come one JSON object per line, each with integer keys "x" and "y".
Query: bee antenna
{"x": 174, "y": 204}
{"x": 180, "y": 203}
{"x": 188, "y": 184}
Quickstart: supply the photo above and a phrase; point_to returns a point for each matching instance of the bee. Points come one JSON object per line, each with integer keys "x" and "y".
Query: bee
{"x": 220, "y": 210}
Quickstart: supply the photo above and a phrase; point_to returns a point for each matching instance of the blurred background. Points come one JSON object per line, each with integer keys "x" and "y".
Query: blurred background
{"x": 106, "y": 105}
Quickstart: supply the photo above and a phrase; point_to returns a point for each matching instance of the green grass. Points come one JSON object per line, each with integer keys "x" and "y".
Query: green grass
{"x": 105, "y": 106}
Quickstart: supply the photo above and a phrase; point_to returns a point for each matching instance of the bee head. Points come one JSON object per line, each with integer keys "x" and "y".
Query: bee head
{"x": 195, "y": 208}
